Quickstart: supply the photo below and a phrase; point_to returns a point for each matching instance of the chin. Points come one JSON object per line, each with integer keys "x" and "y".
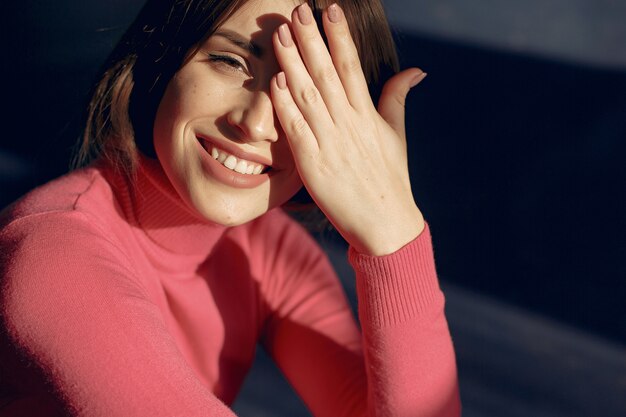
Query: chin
{"x": 216, "y": 203}
{"x": 226, "y": 212}
{"x": 230, "y": 219}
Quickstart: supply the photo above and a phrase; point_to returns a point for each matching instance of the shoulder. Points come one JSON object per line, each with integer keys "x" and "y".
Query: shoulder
{"x": 82, "y": 199}
{"x": 80, "y": 190}
{"x": 55, "y": 253}
{"x": 56, "y": 228}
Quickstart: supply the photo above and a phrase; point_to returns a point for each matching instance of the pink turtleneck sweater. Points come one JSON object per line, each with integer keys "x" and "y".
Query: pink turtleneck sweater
{"x": 116, "y": 301}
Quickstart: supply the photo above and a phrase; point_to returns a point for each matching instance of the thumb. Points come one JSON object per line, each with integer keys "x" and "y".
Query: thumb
{"x": 393, "y": 96}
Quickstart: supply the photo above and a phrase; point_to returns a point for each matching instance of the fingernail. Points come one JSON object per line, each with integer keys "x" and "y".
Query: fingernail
{"x": 281, "y": 80}
{"x": 418, "y": 79}
{"x": 334, "y": 13}
{"x": 304, "y": 14}
{"x": 284, "y": 35}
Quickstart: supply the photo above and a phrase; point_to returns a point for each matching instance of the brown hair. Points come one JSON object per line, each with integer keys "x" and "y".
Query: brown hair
{"x": 123, "y": 104}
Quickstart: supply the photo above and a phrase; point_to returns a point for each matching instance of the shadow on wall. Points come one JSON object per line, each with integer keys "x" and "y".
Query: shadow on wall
{"x": 517, "y": 162}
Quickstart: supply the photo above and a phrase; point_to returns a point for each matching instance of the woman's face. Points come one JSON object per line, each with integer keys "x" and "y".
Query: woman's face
{"x": 216, "y": 134}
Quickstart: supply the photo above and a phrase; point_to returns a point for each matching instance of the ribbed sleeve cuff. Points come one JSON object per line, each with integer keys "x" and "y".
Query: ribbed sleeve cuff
{"x": 398, "y": 287}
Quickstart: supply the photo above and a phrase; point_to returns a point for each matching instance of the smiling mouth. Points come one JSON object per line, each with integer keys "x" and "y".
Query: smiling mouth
{"x": 240, "y": 165}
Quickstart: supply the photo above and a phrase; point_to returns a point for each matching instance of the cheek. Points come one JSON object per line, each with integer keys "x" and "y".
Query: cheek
{"x": 168, "y": 123}
{"x": 177, "y": 108}
{"x": 168, "y": 111}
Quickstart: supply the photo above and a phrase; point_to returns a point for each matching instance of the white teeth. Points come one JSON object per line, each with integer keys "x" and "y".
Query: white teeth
{"x": 230, "y": 162}
{"x": 241, "y": 167}
{"x": 238, "y": 165}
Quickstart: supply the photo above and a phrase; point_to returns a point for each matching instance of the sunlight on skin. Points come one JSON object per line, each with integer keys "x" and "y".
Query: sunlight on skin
{"x": 351, "y": 156}
{"x": 225, "y": 116}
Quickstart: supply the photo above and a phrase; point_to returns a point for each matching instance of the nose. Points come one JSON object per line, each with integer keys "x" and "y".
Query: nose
{"x": 255, "y": 118}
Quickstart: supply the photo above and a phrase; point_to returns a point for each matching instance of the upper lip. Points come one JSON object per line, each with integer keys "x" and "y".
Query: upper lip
{"x": 236, "y": 151}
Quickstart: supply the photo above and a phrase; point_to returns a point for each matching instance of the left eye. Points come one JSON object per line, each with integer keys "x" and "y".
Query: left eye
{"x": 234, "y": 64}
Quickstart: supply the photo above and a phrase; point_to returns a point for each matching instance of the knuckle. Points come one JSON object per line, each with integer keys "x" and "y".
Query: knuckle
{"x": 400, "y": 99}
{"x": 309, "y": 95}
{"x": 350, "y": 66}
{"x": 326, "y": 74}
{"x": 326, "y": 168}
{"x": 309, "y": 35}
{"x": 298, "y": 126}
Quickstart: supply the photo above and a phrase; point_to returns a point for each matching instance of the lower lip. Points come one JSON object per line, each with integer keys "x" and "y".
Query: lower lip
{"x": 228, "y": 176}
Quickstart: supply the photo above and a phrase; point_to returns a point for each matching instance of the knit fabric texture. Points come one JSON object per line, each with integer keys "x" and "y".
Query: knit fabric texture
{"x": 117, "y": 300}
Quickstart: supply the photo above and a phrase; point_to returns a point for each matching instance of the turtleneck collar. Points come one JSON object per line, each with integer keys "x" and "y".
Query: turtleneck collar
{"x": 164, "y": 217}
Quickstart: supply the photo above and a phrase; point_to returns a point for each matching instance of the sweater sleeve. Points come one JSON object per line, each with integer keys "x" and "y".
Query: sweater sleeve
{"x": 72, "y": 304}
{"x": 410, "y": 362}
{"x": 402, "y": 364}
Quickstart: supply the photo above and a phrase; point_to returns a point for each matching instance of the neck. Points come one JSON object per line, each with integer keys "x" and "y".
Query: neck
{"x": 164, "y": 217}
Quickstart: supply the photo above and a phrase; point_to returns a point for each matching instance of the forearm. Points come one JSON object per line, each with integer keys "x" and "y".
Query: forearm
{"x": 409, "y": 356}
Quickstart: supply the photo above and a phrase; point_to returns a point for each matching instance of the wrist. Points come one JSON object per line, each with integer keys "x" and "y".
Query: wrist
{"x": 389, "y": 236}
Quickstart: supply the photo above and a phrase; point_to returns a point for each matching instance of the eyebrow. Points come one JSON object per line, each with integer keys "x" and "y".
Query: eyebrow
{"x": 241, "y": 42}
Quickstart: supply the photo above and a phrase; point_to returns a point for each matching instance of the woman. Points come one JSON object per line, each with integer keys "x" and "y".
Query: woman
{"x": 140, "y": 285}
